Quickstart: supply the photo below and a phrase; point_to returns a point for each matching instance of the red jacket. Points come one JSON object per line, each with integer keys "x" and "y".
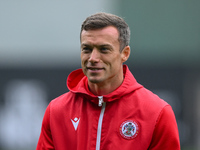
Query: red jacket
{"x": 130, "y": 118}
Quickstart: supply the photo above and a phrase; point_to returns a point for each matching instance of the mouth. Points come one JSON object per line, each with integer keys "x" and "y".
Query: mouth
{"x": 94, "y": 69}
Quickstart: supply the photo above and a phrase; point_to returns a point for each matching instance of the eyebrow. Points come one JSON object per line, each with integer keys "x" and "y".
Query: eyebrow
{"x": 84, "y": 45}
{"x": 102, "y": 45}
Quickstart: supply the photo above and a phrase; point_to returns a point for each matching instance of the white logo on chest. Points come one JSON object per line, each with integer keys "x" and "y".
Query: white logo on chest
{"x": 75, "y": 122}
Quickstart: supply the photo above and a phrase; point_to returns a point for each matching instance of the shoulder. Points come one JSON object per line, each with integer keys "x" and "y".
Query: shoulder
{"x": 147, "y": 104}
{"x": 61, "y": 101}
{"x": 149, "y": 99}
{"x": 62, "y": 105}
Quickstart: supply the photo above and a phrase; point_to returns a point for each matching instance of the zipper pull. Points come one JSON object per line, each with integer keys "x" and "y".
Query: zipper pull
{"x": 100, "y": 101}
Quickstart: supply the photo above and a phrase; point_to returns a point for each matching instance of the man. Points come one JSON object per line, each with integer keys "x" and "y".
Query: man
{"x": 106, "y": 108}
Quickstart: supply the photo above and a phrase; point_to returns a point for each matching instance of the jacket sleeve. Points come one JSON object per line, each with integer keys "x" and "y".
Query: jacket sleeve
{"x": 165, "y": 136}
{"x": 45, "y": 141}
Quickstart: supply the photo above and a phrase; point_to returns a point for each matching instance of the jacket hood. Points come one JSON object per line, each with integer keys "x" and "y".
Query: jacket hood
{"x": 77, "y": 82}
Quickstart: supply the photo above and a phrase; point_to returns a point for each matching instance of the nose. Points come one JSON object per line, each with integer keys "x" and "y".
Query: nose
{"x": 94, "y": 56}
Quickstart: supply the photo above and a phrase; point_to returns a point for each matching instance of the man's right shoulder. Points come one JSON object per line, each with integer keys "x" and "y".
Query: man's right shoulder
{"x": 62, "y": 100}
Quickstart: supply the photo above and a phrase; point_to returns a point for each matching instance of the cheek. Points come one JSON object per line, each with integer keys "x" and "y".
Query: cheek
{"x": 115, "y": 64}
{"x": 115, "y": 61}
{"x": 83, "y": 59}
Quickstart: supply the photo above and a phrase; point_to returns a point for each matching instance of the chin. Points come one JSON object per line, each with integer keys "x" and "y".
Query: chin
{"x": 94, "y": 80}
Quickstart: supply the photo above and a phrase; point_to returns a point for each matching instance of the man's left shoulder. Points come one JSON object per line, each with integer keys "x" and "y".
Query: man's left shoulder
{"x": 149, "y": 98}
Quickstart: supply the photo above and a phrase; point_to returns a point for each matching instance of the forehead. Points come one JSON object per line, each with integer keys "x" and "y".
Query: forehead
{"x": 107, "y": 33}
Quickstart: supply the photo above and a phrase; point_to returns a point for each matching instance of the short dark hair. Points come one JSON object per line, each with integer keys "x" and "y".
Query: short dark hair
{"x": 101, "y": 20}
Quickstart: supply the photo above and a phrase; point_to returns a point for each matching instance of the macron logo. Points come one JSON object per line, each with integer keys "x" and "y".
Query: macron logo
{"x": 75, "y": 122}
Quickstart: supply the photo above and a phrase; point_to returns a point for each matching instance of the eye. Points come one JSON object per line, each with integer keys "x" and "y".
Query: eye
{"x": 104, "y": 49}
{"x": 86, "y": 49}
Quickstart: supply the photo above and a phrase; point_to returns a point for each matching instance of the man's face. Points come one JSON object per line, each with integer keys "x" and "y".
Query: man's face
{"x": 101, "y": 58}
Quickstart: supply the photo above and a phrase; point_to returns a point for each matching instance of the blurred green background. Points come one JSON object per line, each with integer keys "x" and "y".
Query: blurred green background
{"x": 164, "y": 33}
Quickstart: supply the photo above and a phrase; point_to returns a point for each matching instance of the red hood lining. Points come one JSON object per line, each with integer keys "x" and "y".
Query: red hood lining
{"x": 77, "y": 82}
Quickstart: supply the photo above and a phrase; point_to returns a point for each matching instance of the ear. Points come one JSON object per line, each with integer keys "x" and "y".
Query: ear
{"x": 125, "y": 53}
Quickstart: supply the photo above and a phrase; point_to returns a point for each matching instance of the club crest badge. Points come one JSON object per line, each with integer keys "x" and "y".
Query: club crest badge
{"x": 129, "y": 129}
